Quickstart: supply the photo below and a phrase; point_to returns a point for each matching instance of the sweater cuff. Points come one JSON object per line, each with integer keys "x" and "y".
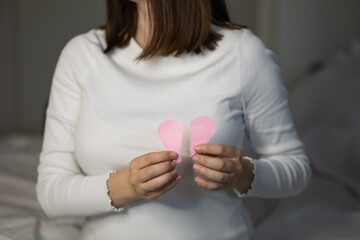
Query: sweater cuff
{"x": 102, "y": 200}
{"x": 254, "y": 183}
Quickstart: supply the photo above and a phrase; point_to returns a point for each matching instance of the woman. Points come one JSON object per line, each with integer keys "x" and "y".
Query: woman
{"x": 158, "y": 60}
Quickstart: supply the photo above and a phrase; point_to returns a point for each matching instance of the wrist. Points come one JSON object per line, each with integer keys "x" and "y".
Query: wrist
{"x": 120, "y": 189}
{"x": 247, "y": 176}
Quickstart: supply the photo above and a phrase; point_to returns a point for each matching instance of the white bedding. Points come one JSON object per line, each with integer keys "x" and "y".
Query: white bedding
{"x": 20, "y": 214}
{"x": 326, "y": 110}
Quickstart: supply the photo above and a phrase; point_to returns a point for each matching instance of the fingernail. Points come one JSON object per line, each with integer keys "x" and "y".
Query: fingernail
{"x": 196, "y": 167}
{"x": 198, "y": 148}
{"x": 178, "y": 178}
{"x": 173, "y": 155}
{"x": 174, "y": 172}
{"x": 173, "y": 163}
{"x": 195, "y": 158}
{"x": 198, "y": 180}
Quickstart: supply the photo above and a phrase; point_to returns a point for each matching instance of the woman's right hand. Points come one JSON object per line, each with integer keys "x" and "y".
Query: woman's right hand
{"x": 148, "y": 176}
{"x": 153, "y": 174}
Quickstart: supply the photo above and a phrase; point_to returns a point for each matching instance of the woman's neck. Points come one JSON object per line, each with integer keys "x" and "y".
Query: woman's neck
{"x": 142, "y": 35}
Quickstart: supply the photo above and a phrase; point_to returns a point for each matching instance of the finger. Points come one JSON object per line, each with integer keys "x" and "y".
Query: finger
{"x": 172, "y": 184}
{"x": 158, "y": 182}
{"x": 155, "y": 170}
{"x": 216, "y": 163}
{"x": 164, "y": 189}
{"x": 217, "y": 176}
{"x": 209, "y": 185}
{"x": 219, "y": 150}
{"x": 152, "y": 158}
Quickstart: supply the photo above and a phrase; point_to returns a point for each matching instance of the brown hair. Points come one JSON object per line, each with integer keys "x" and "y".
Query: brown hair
{"x": 179, "y": 26}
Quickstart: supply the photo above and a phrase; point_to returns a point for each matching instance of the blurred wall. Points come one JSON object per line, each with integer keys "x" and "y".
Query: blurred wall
{"x": 33, "y": 34}
{"x": 311, "y": 30}
{"x": 243, "y": 12}
{"x": 7, "y": 65}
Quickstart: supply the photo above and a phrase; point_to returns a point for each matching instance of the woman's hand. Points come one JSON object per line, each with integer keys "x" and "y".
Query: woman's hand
{"x": 153, "y": 174}
{"x": 224, "y": 166}
{"x": 148, "y": 176}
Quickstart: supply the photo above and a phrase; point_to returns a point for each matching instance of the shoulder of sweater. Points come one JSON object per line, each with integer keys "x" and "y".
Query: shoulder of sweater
{"x": 258, "y": 66}
{"x": 254, "y": 52}
{"x": 82, "y": 44}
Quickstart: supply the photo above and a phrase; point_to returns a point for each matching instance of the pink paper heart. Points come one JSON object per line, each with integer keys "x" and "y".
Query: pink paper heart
{"x": 203, "y": 129}
{"x": 170, "y": 133}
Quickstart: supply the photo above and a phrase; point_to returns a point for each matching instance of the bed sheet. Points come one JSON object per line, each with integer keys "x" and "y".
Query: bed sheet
{"x": 21, "y": 217}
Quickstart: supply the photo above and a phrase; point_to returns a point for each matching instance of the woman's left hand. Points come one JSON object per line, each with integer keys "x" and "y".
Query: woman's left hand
{"x": 224, "y": 166}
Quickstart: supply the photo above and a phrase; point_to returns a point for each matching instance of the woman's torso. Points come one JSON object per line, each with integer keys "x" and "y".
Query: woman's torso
{"x": 122, "y": 107}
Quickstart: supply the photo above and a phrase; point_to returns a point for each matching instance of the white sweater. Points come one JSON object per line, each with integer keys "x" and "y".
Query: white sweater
{"x": 104, "y": 111}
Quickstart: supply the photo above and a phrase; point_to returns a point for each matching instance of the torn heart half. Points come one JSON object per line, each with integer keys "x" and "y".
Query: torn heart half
{"x": 203, "y": 129}
{"x": 170, "y": 133}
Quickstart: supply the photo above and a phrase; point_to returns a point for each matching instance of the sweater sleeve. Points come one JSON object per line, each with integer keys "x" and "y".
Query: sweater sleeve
{"x": 62, "y": 188}
{"x": 282, "y": 167}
